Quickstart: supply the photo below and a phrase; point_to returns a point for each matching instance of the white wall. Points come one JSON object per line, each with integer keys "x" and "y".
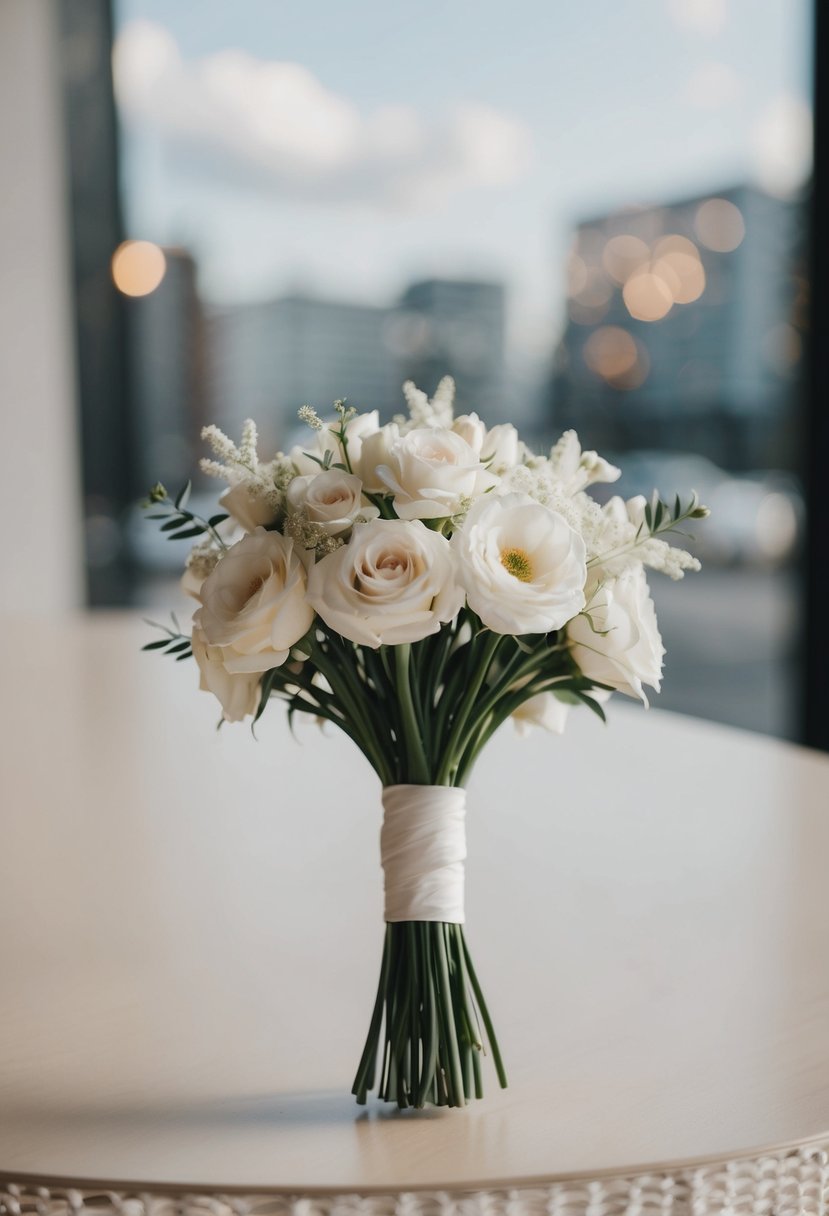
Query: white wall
{"x": 39, "y": 462}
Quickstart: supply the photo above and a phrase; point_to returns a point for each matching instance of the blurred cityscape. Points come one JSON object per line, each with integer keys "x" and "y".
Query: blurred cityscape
{"x": 679, "y": 356}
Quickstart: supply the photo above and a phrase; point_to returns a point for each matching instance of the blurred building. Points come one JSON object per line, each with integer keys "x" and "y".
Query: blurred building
{"x": 684, "y": 329}
{"x": 167, "y": 357}
{"x": 454, "y": 327}
{"x": 268, "y": 359}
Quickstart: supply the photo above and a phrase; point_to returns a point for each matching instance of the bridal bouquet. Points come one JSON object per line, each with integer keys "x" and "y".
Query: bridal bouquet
{"x": 416, "y": 584}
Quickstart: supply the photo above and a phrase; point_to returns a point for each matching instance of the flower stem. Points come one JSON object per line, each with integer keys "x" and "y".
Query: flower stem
{"x": 418, "y": 765}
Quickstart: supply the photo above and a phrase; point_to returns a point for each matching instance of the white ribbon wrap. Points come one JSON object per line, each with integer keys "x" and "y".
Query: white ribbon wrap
{"x": 423, "y": 848}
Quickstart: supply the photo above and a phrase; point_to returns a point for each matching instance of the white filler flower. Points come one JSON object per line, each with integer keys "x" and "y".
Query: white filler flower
{"x": 333, "y": 499}
{"x": 253, "y": 603}
{"x": 431, "y": 471}
{"x": 622, "y": 646}
{"x": 394, "y": 582}
{"x": 521, "y": 564}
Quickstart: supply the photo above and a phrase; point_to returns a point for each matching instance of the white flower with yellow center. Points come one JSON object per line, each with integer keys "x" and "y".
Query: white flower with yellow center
{"x": 521, "y": 564}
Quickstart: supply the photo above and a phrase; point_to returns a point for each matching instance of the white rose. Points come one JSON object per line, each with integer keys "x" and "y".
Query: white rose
{"x": 248, "y": 509}
{"x": 393, "y": 582}
{"x": 470, "y": 428}
{"x": 501, "y": 448}
{"x": 522, "y": 565}
{"x": 238, "y": 694}
{"x": 544, "y": 710}
{"x": 375, "y": 452}
{"x": 430, "y": 471}
{"x": 322, "y": 441}
{"x": 497, "y": 448}
{"x": 623, "y": 647}
{"x": 331, "y": 498}
{"x": 253, "y": 604}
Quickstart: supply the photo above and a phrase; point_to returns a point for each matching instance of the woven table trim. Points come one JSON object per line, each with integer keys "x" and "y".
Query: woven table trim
{"x": 792, "y": 1183}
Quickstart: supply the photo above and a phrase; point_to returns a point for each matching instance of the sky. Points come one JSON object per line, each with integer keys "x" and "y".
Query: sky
{"x": 345, "y": 150}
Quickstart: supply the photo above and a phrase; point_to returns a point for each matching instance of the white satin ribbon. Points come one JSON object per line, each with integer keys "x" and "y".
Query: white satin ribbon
{"x": 422, "y": 849}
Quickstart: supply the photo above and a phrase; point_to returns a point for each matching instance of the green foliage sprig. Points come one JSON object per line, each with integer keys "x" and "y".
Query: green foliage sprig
{"x": 181, "y": 524}
{"x": 175, "y": 643}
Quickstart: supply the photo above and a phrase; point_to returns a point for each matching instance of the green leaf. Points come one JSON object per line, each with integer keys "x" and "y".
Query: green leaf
{"x": 158, "y": 515}
{"x": 185, "y": 645}
{"x": 196, "y": 530}
{"x": 215, "y": 520}
{"x": 188, "y": 654}
{"x": 159, "y": 645}
{"x": 591, "y": 704}
{"x": 183, "y": 495}
{"x": 265, "y": 691}
{"x": 175, "y": 522}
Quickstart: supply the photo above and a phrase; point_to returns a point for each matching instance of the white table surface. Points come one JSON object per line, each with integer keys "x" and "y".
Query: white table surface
{"x": 190, "y": 936}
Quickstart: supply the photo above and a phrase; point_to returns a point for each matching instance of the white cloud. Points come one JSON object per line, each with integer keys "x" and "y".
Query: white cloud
{"x": 712, "y": 85}
{"x": 275, "y": 124}
{"x": 704, "y": 17}
{"x": 782, "y": 145}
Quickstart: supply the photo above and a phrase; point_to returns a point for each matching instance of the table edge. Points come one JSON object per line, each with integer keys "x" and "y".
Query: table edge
{"x": 673, "y": 1167}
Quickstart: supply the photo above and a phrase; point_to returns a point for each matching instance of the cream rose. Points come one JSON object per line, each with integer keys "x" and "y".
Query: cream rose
{"x": 393, "y": 582}
{"x": 623, "y": 647}
{"x": 253, "y": 604}
{"x": 374, "y": 453}
{"x": 248, "y": 509}
{"x": 521, "y": 564}
{"x": 331, "y": 498}
{"x": 238, "y": 694}
{"x": 430, "y": 471}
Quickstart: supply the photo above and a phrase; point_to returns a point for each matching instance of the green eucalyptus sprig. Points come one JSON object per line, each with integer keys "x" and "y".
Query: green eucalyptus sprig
{"x": 659, "y": 517}
{"x": 182, "y": 524}
{"x": 175, "y": 643}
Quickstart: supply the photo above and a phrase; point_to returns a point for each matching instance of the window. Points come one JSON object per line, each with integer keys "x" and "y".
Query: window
{"x": 591, "y": 216}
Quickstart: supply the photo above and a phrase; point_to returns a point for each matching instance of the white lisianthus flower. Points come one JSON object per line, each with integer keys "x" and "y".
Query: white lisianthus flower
{"x": 237, "y": 694}
{"x": 331, "y": 498}
{"x": 521, "y": 564}
{"x": 322, "y": 441}
{"x": 544, "y": 710}
{"x": 622, "y": 647}
{"x": 393, "y": 582}
{"x": 249, "y": 509}
{"x": 431, "y": 471}
{"x": 253, "y": 603}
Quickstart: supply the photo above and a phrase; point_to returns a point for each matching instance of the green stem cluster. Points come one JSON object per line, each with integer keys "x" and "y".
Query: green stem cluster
{"x": 432, "y": 1006}
{"x": 421, "y": 713}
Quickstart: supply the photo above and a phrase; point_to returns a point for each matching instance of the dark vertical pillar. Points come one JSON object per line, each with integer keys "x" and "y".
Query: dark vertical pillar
{"x": 86, "y": 28}
{"x": 816, "y": 642}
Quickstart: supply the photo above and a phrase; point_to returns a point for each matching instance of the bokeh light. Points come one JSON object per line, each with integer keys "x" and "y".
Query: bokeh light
{"x": 623, "y": 255}
{"x": 647, "y": 297}
{"x": 682, "y": 274}
{"x": 616, "y": 356}
{"x": 719, "y": 225}
{"x": 138, "y": 267}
